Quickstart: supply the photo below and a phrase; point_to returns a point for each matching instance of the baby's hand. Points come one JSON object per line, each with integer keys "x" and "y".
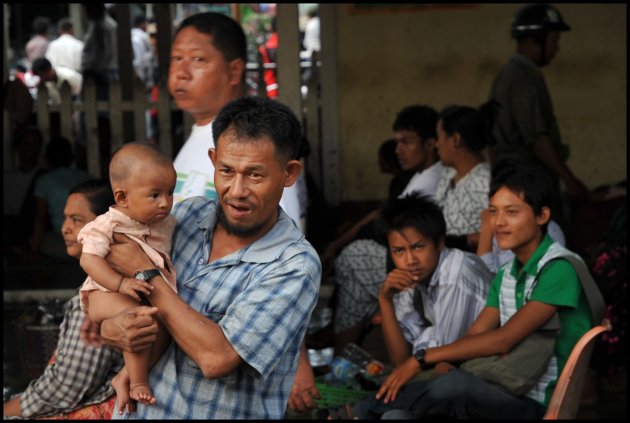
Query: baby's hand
{"x": 131, "y": 287}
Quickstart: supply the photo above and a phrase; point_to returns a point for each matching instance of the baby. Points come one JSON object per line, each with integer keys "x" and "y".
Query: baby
{"x": 143, "y": 179}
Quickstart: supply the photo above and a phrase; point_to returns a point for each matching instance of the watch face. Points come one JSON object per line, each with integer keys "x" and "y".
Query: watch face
{"x": 147, "y": 274}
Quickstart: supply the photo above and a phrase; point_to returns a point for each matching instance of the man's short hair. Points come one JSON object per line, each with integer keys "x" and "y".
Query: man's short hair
{"x": 420, "y": 119}
{"x": 139, "y": 20}
{"x": 524, "y": 176}
{"x": 254, "y": 117}
{"x": 64, "y": 25}
{"x": 40, "y": 65}
{"x": 41, "y": 25}
{"x": 414, "y": 210}
{"x": 227, "y": 35}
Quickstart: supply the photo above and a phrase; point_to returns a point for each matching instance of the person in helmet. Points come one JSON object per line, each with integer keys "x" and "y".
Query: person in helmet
{"x": 525, "y": 125}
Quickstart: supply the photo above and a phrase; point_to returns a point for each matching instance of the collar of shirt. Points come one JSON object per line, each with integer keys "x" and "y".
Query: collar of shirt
{"x": 435, "y": 278}
{"x": 265, "y": 249}
{"x": 523, "y": 60}
{"x": 531, "y": 267}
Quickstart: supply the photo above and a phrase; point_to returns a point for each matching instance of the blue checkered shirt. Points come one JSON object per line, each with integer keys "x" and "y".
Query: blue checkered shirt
{"x": 261, "y": 296}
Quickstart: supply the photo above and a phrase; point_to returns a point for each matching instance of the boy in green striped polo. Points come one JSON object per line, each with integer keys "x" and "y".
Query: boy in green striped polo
{"x": 524, "y": 295}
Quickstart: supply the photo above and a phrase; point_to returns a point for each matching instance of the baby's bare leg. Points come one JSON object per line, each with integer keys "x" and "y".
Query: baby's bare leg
{"x": 102, "y": 305}
{"x": 138, "y": 367}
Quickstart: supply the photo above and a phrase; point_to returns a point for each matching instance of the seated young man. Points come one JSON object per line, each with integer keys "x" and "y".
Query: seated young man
{"x": 520, "y": 196}
{"x": 434, "y": 293}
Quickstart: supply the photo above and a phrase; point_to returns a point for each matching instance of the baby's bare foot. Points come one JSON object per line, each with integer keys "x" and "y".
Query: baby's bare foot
{"x": 142, "y": 392}
{"x": 120, "y": 383}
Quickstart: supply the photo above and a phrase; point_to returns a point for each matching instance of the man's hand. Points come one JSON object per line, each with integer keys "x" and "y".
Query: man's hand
{"x": 127, "y": 257}
{"x": 396, "y": 281}
{"x": 304, "y": 390}
{"x": 401, "y": 375}
{"x": 89, "y": 333}
{"x": 131, "y": 330}
{"x": 442, "y": 368}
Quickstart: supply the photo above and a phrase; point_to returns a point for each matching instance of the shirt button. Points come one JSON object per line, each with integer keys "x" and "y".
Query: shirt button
{"x": 200, "y": 261}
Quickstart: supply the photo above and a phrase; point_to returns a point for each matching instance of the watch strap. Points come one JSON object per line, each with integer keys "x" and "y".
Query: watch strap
{"x": 147, "y": 274}
{"x": 419, "y": 356}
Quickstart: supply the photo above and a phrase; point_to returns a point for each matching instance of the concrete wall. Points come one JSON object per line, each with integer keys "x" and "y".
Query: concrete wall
{"x": 392, "y": 57}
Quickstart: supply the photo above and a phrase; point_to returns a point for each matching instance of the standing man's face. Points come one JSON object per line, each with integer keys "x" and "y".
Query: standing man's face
{"x": 200, "y": 79}
{"x": 552, "y": 46}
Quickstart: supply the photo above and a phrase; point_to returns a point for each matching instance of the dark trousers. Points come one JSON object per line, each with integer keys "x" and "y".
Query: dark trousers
{"x": 457, "y": 394}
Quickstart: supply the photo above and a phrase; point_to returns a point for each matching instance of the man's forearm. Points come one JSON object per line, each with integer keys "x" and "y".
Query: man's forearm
{"x": 395, "y": 342}
{"x": 199, "y": 337}
{"x": 544, "y": 151}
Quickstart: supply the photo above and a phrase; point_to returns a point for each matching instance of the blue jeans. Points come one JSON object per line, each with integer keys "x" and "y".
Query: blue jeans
{"x": 457, "y": 394}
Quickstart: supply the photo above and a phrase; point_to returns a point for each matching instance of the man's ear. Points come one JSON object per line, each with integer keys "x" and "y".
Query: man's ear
{"x": 430, "y": 143}
{"x": 544, "y": 216}
{"x": 236, "y": 69}
{"x": 212, "y": 153}
{"x": 441, "y": 244}
{"x": 293, "y": 170}
{"x": 457, "y": 139}
{"x": 120, "y": 196}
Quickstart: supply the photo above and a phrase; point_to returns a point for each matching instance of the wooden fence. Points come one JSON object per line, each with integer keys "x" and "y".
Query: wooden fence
{"x": 114, "y": 109}
{"x": 74, "y": 113}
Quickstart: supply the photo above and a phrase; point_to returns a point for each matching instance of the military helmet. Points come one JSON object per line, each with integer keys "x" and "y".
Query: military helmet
{"x": 537, "y": 19}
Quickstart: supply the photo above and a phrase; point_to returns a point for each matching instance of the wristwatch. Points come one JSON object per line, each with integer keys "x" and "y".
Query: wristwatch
{"x": 419, "y": 356}
{"x": 145, "y": 275}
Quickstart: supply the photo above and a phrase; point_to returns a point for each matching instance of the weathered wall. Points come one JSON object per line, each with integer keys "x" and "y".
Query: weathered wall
{"x": 390, "y": 58}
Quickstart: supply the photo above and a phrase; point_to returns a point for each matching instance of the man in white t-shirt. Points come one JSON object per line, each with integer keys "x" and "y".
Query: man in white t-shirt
{"x": 142, "y": 52}
{"x": 54, "y": 77}
{"x": 312, "y": 41}
{"x": 414, "y": 132}
{"x": 205, "y": 75}
{"x": 66, "y": 50}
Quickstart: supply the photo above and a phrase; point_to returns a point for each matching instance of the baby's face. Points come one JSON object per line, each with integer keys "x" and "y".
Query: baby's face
{"x": 150, "y": 193}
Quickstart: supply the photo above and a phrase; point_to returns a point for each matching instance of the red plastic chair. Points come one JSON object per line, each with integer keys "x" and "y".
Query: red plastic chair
{"x": 565, "y": 401}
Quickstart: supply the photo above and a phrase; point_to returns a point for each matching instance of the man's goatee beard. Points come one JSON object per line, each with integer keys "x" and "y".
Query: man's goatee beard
{"x": 239, "y": 231}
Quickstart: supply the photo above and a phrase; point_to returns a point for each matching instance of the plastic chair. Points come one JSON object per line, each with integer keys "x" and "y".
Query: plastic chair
{"x": 565, "y": 401}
